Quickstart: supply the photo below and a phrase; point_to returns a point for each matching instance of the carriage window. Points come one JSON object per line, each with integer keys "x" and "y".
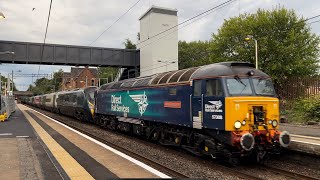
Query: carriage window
{"x": 197, "y": 88}
{"x": 213, "y": 88}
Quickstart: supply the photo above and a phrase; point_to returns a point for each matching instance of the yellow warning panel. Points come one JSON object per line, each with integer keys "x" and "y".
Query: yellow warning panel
{"x": 67, "y": 162}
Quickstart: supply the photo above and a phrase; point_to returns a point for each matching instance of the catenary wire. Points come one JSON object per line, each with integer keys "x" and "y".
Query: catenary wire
{"x": 45, "y": 35}
{"x": 115, "y": 22}
{"x": 205, "y": 12}
{"x": 312, "y": 17}
{"x": 194, "y": 17}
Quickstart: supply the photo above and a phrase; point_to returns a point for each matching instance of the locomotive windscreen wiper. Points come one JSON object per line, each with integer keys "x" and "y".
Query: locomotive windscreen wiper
{"x": 239, "y": 80}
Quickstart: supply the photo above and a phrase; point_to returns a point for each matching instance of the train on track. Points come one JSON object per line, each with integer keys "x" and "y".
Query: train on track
{"x": 227, "y": 109}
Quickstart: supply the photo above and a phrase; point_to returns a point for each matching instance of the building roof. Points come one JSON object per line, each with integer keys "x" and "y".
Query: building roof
{"x": 66, "y": 75}
{"x": 75, "y": 72}
{"x": 160, "y": 10}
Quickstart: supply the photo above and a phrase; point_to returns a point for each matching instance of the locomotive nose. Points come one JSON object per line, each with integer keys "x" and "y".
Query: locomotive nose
{"x": 284, "y": 139}
{"x": 247, "y": 141}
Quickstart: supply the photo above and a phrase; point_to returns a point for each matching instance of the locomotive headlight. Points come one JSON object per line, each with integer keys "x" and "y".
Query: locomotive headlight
{"x": 270, "y": 121}
{"x": 244, "y": 122}
{"x": 274, "y": 123}
{"x": 237, "y": 124}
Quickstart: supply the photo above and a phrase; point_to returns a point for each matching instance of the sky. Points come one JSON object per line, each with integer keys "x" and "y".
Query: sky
{"x": 80, "y": 22}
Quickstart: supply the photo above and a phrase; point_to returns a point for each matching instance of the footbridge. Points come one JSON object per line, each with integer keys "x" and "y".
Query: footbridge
{"x": 61, "y": 54}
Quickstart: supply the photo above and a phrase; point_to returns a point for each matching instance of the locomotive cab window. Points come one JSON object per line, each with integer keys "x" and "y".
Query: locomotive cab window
{"x": 263, "y": 87}
{"x": 239, "y": 86}
{"x": 213, "y": 87}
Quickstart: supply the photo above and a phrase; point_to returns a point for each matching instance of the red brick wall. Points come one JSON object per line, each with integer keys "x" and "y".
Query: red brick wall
{"x": 80, "y": 81}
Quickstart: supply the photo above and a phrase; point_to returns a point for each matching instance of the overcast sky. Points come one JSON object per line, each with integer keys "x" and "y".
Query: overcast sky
{"x": 79, "y": 22}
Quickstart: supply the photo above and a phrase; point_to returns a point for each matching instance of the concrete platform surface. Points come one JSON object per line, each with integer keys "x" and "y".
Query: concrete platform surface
{"x": 313, "y": 131}
{"x": 88, "y": 157}
{"x": 306, "y": 144}
{"x": 22, "y": 155}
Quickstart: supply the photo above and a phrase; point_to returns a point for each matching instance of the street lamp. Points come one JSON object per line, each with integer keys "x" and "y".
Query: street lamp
{"x": 250, "y": 37}
{"x": 167, "y": 62}
{"x": 2, "y": 15}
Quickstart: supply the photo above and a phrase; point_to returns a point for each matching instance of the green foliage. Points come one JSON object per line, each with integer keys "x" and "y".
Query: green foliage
{"x": 129, "y": 45}
{"x": 107, "y": 74}
{"x": 4, "y": 81}
{"x": 45, "y": 86}
{"x": 286, "y": 46}
{"x": 307, "y": 109}
{"x": 194, "y": 53}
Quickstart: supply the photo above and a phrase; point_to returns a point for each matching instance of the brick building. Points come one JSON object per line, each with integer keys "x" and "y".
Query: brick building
{"x": 79, "y": 78}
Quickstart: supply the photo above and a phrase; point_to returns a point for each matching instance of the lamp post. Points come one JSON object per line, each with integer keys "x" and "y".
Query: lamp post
{"x": 167, "y": 62}
{"x": 250, "y": 37}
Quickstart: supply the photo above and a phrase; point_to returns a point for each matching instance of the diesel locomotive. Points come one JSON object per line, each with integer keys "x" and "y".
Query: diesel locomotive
{"x": 227, "y": 110}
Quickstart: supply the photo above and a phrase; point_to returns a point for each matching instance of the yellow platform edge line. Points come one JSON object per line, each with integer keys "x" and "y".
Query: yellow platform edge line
{"x": 67, "y": 162}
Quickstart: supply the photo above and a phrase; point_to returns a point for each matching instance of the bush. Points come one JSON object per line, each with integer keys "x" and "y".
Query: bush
{"x": 305, "y": 110}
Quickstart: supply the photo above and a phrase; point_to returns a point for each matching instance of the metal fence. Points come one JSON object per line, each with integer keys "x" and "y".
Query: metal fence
{"x": 297, "y": 88}
{"x": 7, "y": 107}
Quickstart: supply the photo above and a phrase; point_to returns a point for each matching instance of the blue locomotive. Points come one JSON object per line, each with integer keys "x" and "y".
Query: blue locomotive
{"x": 227, "y": 109}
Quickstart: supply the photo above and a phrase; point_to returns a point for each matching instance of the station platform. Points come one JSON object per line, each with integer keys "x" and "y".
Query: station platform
{"x": 303, "y": 138}
{"x": 33, "y": 146}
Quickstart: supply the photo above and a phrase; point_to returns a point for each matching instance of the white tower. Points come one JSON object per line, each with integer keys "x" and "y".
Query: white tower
{"x": 159, "y": 53}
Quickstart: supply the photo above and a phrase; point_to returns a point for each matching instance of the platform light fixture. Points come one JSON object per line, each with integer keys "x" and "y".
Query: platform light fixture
{"x": 250, "y": 37}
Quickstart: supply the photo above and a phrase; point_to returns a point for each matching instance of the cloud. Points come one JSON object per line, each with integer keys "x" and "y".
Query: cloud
{"x": 79, "y": 22}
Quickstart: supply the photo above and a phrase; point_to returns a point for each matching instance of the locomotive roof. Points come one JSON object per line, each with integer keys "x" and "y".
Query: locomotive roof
{"x": 185, "y": 75}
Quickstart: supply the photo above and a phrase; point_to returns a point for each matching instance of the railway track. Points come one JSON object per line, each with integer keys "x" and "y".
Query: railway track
{"x": 289, "y": 174}
{"x": 162, "y": 168}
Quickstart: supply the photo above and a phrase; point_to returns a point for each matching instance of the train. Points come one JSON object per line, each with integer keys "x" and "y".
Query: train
{"x": 226, "y": 110}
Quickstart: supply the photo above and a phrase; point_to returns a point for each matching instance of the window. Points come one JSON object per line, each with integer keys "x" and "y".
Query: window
{"x": 197, "y": 88}
{"x": 263, "y": 86}
{"x": 239, "y": 86}
{"x": 92, "y": 82}
{"x": 213, "y": 87}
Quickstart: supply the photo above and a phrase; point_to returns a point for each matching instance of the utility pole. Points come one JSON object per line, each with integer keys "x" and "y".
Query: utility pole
{"x": 12, "y": 81}
{"x": 8, "y": 84}
{"x": 86, "y": 81}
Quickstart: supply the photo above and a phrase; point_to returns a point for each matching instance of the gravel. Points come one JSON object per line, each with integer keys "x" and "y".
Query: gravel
{"x": 189, "y": 165}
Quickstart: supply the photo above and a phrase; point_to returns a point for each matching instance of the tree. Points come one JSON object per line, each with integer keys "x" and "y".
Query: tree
{"x": 111, "y": 72}
{"x": 129, "y": 45}
{"x": 4, "y": 81}
{"x": 45, "y": 86}
{"x": 57, "y": 80}
{"x": 286, "y": 46}
{"x": 194, "y": 53}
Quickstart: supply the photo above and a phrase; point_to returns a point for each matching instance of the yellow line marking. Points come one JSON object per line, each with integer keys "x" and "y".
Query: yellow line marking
{"x": 67, "y": 162}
